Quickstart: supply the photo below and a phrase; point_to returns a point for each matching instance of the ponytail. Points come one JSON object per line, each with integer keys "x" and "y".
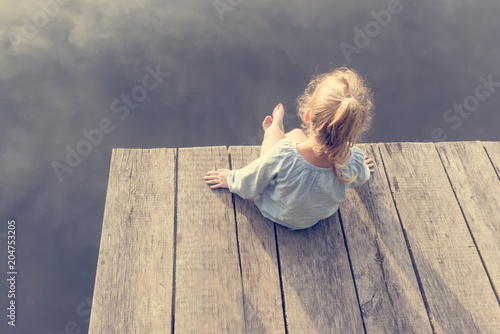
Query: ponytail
{"x": 340, "y": 109}
{"x": 342, "y": 131}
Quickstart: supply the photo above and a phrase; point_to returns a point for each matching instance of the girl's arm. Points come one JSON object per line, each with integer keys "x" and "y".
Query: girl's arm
{"x": 369, "y": 162}
{"x": 217, "y": 178}
{"x": 251, "y": 180}
{"x": 364, "y": 166}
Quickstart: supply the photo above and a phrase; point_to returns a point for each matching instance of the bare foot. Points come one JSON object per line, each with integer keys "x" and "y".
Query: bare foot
{"x": 267, "y": 122}
{"x": 278, "y": 114}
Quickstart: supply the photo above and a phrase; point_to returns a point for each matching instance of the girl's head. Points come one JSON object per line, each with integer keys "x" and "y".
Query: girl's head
{"x": 335, "y": 109}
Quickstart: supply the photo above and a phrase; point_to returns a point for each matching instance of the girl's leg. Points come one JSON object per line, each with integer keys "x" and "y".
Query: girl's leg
{"x": 273, "y": 127}
{"x": 271, "y": 137}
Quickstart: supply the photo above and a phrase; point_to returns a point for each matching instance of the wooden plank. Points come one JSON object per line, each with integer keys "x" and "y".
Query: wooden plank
{"x": 259, "y": 262}
{"x": 133, "y": 286}
{"x": 317, "y": 282}
{"x": 493, "y": 151}
{"x": 208, "y": 293}
{"x": 457, "y": 289}
{"x": 477, "y": 188}
{"x": 387, "y": 287}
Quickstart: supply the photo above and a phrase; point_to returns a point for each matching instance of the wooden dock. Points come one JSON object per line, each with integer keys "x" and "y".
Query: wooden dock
{"x": 414, "y": 250}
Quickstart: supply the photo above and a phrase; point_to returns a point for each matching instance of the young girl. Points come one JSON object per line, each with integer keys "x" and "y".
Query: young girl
{"x": 301, "y": 176}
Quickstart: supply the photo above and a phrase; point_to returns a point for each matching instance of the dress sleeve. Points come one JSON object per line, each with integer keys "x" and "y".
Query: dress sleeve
{"x": 358, "y": 166}
{"x": 251, "y": 180}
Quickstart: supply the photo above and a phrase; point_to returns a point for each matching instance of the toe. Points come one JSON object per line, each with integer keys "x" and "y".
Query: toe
{"x": 278, "y": 111}
{"x": 267, "y": 122}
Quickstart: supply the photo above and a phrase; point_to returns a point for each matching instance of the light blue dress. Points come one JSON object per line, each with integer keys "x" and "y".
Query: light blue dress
{"x": 290, "y": 191}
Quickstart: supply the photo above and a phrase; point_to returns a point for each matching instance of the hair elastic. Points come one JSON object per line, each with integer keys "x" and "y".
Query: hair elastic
{"x": 352, "y": 94}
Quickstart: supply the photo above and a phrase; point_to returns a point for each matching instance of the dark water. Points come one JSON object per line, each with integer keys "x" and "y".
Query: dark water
{"x": 78, "y": 79}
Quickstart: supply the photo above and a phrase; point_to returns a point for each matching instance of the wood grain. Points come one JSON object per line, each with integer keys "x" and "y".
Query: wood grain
{"x": 133, "y": 286}
{"x": 259, "y": 262}
{"x": 387, "y": 287}
{"x": 317, "y": 282}
{"x": 208, "y": 293}
{"x": 459, "y": 294}
{"x": 493, "y": 151}
{"x": 423, "y": 238}
{"x": 477, "y": 188}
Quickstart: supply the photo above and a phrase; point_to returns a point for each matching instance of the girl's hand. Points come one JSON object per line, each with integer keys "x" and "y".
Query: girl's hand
{"x": 217, "y": 179}
{"x": 369, "y": 163}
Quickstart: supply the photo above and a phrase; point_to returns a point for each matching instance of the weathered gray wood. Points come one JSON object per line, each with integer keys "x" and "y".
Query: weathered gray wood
{"x": 259, "y": 262}
{"x": 457, "y": 289}
{"x": 133, "y": 286}
{"x": 493, "y": 150}
{"x": 477, "y": 188}
{"x": 387, "y": 287}
{"x": 318, "y": 285}
{"x": 208, "y": 288}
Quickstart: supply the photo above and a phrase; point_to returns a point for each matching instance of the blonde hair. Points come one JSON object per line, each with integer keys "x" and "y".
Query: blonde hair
{"x": 340, "y": 107}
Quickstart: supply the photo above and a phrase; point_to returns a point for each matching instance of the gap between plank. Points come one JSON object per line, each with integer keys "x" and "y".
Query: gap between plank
{"x": 408, "y": 246}
{"x": 468, "y": 227}
{"x": 352, "y": 272}
{"x": 238, "y": 244}
{"x": 490, "y": 160}
{"x": 176, "y": 157}
{"x": 281, "y": 280}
